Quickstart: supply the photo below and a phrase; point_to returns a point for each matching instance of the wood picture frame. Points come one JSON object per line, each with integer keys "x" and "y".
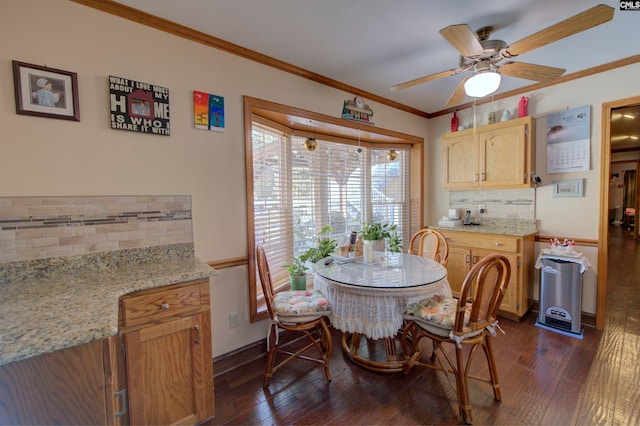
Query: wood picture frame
{"x": 45, "y": 92}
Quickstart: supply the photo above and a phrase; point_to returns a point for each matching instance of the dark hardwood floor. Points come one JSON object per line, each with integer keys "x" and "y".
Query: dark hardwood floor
{"x": 545, "y": 377}
{"x": 612, "y": 395}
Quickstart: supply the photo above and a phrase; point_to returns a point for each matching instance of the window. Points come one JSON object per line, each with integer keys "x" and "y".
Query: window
{"x": 294, "y": 193}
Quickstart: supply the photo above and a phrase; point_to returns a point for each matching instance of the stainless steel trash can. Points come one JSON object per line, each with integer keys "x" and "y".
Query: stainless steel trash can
{"x": 560, "y": 295}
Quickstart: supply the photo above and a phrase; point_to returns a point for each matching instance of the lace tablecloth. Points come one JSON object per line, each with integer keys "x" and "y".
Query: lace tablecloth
{"x": 376, "y": 311}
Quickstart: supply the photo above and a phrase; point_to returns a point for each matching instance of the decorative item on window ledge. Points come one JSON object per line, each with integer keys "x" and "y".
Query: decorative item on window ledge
{"x": 355, "y": 109}
{"x": 310, "y": 144}
{"x": 392, "y": 155}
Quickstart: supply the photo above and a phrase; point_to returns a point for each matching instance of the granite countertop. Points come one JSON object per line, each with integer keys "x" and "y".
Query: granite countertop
{"x": 48, "y": 306}
{"x": 517, "y": 228}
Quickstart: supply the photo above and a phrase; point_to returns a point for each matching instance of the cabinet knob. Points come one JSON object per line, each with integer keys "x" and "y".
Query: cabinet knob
{"x": 164, "y": 306}
{"x": 498, "y": 244}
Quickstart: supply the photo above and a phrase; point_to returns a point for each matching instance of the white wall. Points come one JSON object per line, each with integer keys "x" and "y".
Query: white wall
{"x": 41, "y": 156}
{"x": 571, "y": 218}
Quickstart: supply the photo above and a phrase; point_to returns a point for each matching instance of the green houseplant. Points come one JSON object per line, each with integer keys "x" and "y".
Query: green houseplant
{"x": 374, "y": 234}
{"x": 298, "y": 269}
{"x": 297, "y": 274}
{"x": 324, "y": 246}
{"x": 394, "y": 242}
{"x": 376, "y": 231}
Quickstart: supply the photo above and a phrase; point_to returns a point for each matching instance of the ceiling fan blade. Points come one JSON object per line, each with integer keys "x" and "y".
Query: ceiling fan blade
{"x": 457, "y": 96}
{"x": 425, "y": 79}
{"x": 582, "y": 21}
{"x": 534, "y": 72}
{"x": 463, "y": 39}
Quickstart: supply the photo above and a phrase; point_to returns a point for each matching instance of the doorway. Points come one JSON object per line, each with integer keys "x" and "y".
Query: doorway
{"x": 623, "y": 197}
{"x": 620, "y": 142}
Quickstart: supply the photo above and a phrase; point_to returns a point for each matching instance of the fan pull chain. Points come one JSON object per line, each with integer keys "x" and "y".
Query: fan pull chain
{"x": 474, "y": 116}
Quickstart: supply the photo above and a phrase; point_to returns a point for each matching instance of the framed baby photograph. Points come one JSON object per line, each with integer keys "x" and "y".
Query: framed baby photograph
{"x": 45, "y": 92}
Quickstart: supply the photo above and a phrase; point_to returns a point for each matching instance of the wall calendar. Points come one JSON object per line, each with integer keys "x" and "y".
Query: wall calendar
{"x": 569, "y": 140}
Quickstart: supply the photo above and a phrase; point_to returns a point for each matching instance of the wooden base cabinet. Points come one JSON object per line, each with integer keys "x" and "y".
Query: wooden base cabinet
{"x": 158, "y": 370}
{"x": 80, "y": 385}
{"x": 468, "y": 248}
{"x": 167, "y": 336}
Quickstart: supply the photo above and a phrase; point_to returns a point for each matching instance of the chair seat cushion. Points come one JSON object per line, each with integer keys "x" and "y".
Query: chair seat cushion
{"x": 436, "y": 314}
{"x": 301, "y": 303}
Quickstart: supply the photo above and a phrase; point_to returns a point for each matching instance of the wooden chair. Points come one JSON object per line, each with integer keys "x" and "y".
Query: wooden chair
{"x": 298, "y": 313}
{"x": 467, "y": 321}
{"x": 430, "y": 243}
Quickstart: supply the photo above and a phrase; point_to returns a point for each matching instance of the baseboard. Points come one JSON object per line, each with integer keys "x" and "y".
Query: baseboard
{"x": 244, "y": 355}
{"x": 234, "y": 359}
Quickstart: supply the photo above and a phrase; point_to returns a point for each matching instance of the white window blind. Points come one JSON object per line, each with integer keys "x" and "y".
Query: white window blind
{"x": 296, "y": 193}
{"x": 273, "y": 221}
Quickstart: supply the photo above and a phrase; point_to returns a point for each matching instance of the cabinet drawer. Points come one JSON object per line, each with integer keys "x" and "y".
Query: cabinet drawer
{"x": 492, "y": 242}
{"x": 158, "y": 306}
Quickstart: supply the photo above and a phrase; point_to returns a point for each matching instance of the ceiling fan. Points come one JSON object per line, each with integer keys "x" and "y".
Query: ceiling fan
{"x": 483, "y": 56}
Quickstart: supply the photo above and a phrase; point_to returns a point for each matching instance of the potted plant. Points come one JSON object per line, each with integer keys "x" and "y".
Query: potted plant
{"x": 374, "y": 234}
{"x": 297, "y": 274}
{"x": 394, "y": 242}
{"x": 324, "y": 246}
{"x": 376, "y": 231}
{"x": 298, "y": 269}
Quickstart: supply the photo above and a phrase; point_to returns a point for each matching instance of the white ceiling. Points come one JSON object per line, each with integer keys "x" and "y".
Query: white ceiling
{"x": 375, "y": 44}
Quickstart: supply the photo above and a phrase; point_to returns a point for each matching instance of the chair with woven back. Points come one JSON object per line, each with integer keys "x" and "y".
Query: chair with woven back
{"x": 468, "y": 321}
{"x": 430, "y": 243}
{"x": 297, "y": 313}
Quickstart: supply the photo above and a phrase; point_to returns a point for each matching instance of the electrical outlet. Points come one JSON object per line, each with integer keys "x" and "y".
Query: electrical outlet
{"x": 234, "y": 320}
{"x": 482, "y": 206}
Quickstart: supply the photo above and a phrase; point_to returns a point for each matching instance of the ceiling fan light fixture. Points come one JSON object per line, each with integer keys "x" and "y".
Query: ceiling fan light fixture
{"x": 482, "y": 83}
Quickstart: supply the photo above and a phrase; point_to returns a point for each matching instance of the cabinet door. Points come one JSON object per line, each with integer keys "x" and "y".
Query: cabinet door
{"x": 170, "y": 373}
{"x": 510, "y": 299}
{"x": 458, "y": 266}
{"x": 62, "y": 387}
{"x": 503, "y": 157}
{"x": 459, "y": 161}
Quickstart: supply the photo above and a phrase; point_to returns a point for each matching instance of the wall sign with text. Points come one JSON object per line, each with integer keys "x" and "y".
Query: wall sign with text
{"x": 138, "y": 107}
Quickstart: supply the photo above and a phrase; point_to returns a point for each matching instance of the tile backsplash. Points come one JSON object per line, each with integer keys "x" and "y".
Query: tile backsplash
{"x": 499, "y": 203}
{"x": 46, "y": 227}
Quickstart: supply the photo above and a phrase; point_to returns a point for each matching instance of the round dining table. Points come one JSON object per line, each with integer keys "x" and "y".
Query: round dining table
{"x": 369, "y": 299}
